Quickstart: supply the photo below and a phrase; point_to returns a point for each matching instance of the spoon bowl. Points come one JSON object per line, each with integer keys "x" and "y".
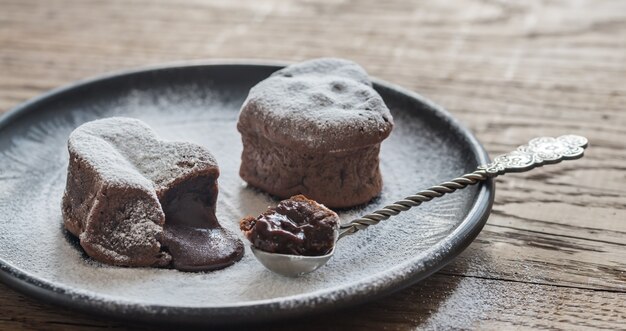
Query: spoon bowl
{"x": 291, "y": 265}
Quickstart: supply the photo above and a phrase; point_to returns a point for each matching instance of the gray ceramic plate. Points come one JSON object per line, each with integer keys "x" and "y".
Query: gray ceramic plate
{"x": 199, "y": 103}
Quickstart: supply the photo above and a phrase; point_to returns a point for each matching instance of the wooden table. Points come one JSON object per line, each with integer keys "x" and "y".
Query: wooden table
{"x": 553, "y": 254}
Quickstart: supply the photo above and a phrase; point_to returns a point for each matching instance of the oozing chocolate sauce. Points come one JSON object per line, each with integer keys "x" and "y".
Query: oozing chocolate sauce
{"x": 192, "y": 234}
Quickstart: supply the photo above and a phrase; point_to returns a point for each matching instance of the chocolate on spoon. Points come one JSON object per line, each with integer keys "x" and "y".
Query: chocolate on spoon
{"x": 299, "y": 235}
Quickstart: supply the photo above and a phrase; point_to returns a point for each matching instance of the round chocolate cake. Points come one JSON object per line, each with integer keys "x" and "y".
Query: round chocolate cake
{"x": 315, "y": 128}
{"x": 135, "y": 200}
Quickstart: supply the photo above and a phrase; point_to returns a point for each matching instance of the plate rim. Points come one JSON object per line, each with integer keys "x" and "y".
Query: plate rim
{"x": 261, "y": 310}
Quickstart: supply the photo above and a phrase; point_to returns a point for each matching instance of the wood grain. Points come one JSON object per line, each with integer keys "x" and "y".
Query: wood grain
{"x": 553, "y": 254}
{"x": 440, "y": 302}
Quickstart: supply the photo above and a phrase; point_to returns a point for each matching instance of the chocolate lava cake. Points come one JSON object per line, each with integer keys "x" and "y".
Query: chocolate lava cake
{"x": 315, "y": 128}
{"x": 135, "y": 200}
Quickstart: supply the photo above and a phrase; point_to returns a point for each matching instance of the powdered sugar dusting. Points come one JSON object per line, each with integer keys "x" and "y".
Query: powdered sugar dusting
{"x": 33, "y": 163}
{"x": 321, "y": 104}
{"x": 129, "y": 151}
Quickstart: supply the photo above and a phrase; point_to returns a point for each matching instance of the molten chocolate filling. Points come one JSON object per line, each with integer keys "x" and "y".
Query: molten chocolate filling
{"x": 297, "y": 226}
{"x": 192, "y": 234}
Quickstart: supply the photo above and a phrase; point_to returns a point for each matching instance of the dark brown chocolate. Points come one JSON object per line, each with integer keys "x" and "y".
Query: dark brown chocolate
{"x": 135, "y": 200}
{"x": 297, "y": 226}
{"x": 193, "y": 236}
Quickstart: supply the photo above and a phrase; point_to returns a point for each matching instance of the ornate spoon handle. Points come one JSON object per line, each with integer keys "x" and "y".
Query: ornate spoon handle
{"x": 538, "y": 151}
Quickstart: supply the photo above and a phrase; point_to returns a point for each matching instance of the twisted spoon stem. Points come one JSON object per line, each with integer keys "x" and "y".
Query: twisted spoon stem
{"x": 538, "y": 151}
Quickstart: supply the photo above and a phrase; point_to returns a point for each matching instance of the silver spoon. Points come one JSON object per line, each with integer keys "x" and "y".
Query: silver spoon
{"x": 538, "y": 151}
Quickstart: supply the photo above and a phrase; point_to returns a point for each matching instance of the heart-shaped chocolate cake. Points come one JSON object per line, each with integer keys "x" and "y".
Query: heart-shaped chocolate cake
{"x": 135, "y": 200}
